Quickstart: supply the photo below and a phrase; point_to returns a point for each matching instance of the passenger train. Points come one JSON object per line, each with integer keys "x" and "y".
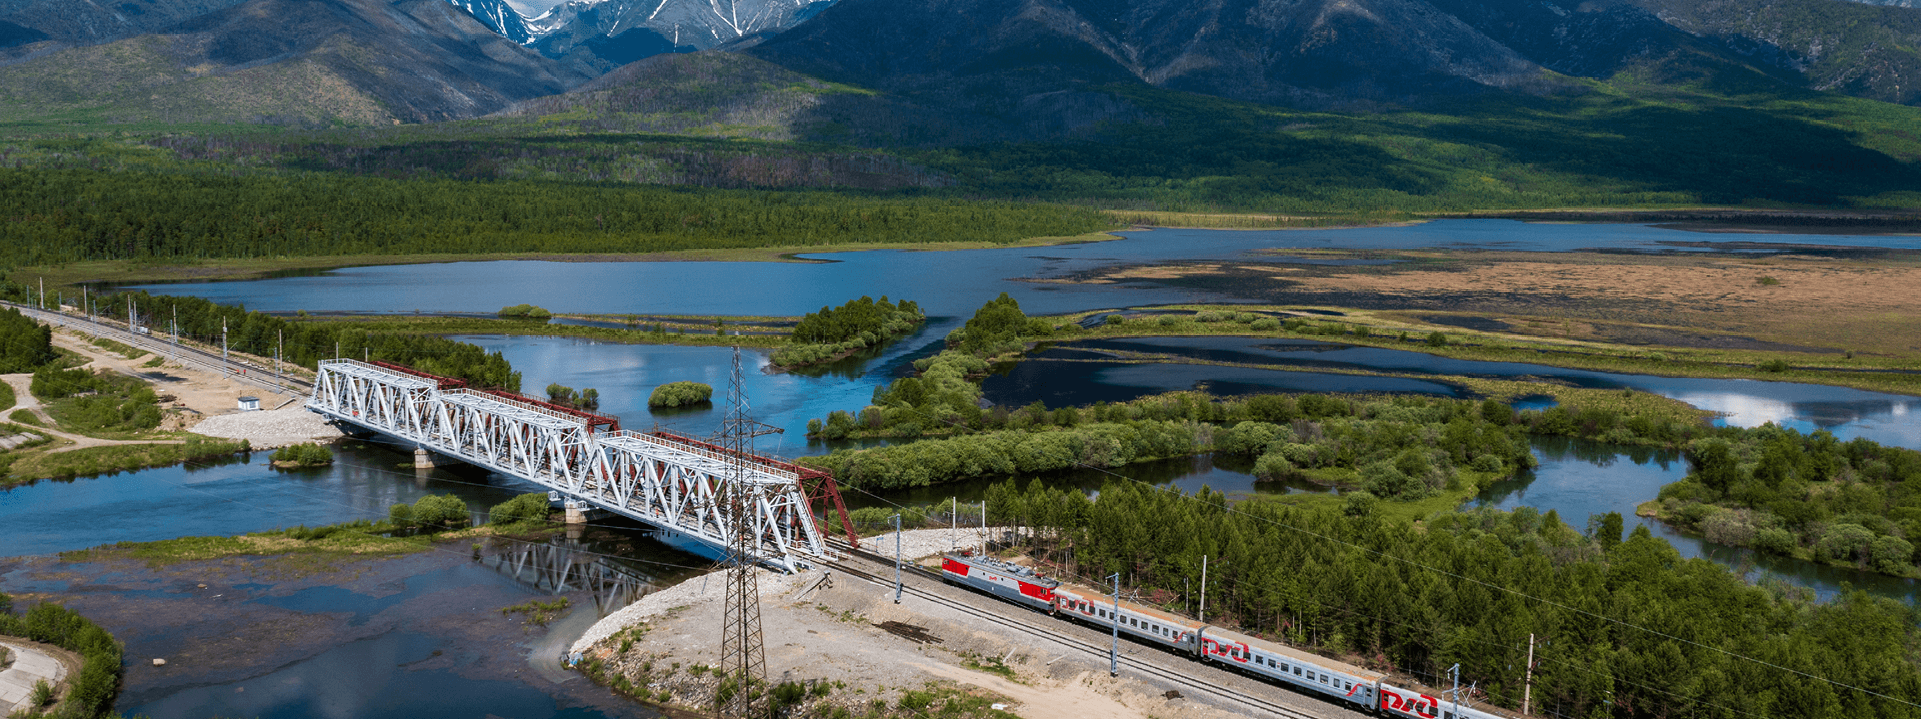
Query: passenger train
{"x": 1370, "y": 690}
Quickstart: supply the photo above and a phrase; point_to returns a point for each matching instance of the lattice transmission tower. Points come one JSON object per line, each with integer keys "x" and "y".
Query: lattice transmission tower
{"x": 742, "y": 657}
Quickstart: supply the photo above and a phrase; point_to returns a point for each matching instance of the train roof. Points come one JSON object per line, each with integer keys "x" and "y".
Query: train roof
{"x": 1292, "y": 653}
{"x": 1143, "y": 610}
{"x": 1026, "y": 574}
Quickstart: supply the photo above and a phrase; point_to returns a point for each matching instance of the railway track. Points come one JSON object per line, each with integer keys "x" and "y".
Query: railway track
{"x": 1022, "y": 626}
{"x": 261, "y": 377}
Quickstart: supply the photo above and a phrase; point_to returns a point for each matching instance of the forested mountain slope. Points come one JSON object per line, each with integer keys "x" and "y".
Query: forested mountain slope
{"x": 1315, "y": 52}
{"x": 1853, "y": 48}
{"x": 290, "y": 61}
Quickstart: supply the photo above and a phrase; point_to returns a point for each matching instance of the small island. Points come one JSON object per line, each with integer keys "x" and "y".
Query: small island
{"x": 525, "y": 312}
{"x": 679, "y": 394}
{"x": 833, "y": 333}
{"x": 303, "y": 455}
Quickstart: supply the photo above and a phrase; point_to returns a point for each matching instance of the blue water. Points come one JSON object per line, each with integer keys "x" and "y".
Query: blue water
{"x": 1886, "y": 418}
{"x": 948, "y": 283}
{"x": 362, "y": 679}
{"x": 228, "y": 498}
{"x": 1580, "y": 479}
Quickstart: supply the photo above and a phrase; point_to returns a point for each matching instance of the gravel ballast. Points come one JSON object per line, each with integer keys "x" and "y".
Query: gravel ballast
{"x": 268, "y": 429}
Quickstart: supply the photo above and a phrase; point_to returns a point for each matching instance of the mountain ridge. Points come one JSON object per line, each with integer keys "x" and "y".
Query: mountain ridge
{"x": 292, "y": 61}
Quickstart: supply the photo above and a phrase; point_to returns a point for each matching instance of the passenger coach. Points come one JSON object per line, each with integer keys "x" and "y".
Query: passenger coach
{"x": 1276, "y": 663}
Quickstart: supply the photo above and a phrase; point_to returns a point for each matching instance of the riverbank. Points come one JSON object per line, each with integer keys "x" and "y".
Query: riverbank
{"x": 445, "y": 325}
{"x": 97, "y": 274}
{"x": 1403, "y": 330}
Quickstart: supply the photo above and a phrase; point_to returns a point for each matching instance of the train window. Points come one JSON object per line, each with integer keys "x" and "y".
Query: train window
{"x": 1297, "y": 671}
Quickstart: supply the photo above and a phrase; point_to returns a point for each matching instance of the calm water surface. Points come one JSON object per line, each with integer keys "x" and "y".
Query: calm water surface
{"x": 1848, "y": 413}
{"x": 945, "y": 283}
{"x": 1578, "y": 478}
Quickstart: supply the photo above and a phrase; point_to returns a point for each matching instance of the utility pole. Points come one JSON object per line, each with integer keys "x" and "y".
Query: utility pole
{"x": 896, "y": 558}
{"x": 1455, "y": 693}
{"x": 280, "y": 345}
{"x": 953, "y": 524}
{"x": 743, "y": 657}
{"x": 1202, "y": 617}
{"x": 133, "y": 328}
{"x": 223, "y": 346}
{"x": 43, "y": 293}
{"x": 1114, "y": 653}
{"x": 1527, "y": 685}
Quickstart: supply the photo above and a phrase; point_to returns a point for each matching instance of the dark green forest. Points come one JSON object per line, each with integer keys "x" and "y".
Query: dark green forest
{"x": 56, "y": 216}
{"x": 1811, "y": 496}
{"x": 1625, "y": 628}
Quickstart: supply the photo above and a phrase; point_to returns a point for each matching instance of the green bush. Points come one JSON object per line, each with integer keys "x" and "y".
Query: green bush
{"x": 24, "y": 343}
{"x": 1437, "y": 339}
{"x": 92, "y": 691}
{"x": 1250, "y": 437}
{"x": 51, "y": 383}
{"x": 1359, "y": 504}
{"x": 680, "y": 394}
{"x": 1773, "y": 365}
{"x": 524, "y": 508}
{"x": 432, "y": 513}
{"x": 525, "y": 312}
{"x": 440, "y": 511}
{"x": 307, "y": 454}
{"x": 1265, "y": 324}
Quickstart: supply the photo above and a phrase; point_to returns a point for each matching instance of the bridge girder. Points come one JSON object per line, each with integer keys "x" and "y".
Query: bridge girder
{"x": 663, "y": 481}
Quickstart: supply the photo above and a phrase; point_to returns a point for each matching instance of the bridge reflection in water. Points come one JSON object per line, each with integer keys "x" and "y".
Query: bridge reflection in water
{"x": 564, "y": 565}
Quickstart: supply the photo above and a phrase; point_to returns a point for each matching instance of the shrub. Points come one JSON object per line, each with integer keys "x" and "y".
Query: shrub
{"x": 1845, "y": 542}
{"x": 1248, "y": 437}
{"x": 1115, "y": 319}
{"x": 525, "y": 312}
{"x": 1169, "y": 320}
{"x": 1359, "y": 504}
{"x": 51, "y": 383}
{"x": 444, "y": 510}
{"x": 1436, "y": 339}
{"x": 307, "y": 454}
{"x": 92, "y": 691}
{"x": 401, "y": 515}
{"x": 1774, "y": 541}
{"x": 527, "y": 507}
{"x": 680, "y": 394}
{"x": 1275, "y": 467}
{"x": 1265, "y": 324}
{"x": 1773, "y": 365}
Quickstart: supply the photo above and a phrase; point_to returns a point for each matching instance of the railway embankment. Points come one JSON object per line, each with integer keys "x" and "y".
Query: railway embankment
{"x": 835, "y": 640}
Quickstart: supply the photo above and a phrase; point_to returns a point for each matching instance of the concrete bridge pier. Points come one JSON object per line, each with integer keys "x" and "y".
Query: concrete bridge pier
{"x": 423, "y": 459}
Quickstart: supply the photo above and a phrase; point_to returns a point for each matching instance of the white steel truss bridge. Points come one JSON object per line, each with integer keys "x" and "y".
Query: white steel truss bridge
{"x": 664, "y": 480}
